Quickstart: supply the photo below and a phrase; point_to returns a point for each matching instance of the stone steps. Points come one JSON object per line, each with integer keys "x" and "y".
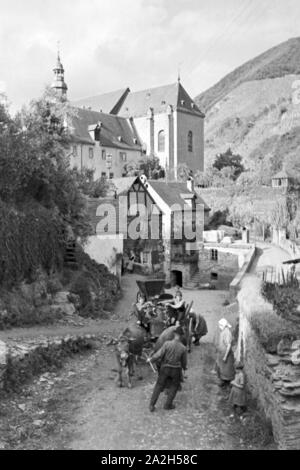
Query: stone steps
{"x": 193, "y": 284}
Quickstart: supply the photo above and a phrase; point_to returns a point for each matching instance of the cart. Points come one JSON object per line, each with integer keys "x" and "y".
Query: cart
{"x": 155, "y": 295}
{"x": 153, "y": 291}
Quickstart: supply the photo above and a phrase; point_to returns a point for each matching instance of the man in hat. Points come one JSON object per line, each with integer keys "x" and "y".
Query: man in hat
{"x": 173, "y": 358}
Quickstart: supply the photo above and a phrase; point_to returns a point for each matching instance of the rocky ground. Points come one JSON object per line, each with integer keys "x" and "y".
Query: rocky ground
{"x": 80, "y": 407}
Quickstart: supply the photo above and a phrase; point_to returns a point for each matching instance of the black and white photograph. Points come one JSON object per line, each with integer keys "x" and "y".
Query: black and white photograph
{"x": 149, "y": 228}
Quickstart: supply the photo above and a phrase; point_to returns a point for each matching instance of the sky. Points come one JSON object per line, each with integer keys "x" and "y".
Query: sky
{"x": 106, "y": 45}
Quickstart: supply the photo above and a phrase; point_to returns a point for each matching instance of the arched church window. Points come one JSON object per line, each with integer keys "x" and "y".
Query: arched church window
{"x": 190, "y": 141}
{"x": 161, "y": 141}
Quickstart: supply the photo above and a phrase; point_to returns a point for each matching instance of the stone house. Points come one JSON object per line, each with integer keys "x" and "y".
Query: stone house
{"x": 281, "y": 180}
{"x": 172, "y": 218}
{"x": 103, "y": 142}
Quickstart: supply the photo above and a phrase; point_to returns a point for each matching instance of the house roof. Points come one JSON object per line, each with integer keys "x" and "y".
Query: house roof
{"x": 112, "y": 217}
{"x": 283, "y": 174}
{"x": 107, "y": 103}
{"x": 123, "y": 185}
{"x": 115, "y": 131}
{"x": 200, "y": 200}
{"x": 175, "y": 193}
{"x": 138, "y": 103}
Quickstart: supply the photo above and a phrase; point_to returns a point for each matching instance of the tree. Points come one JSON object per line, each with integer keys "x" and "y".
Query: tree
{"x": 131, "y": 169}
{"x": 280, "y": 217}
{"x": 89, "y": 186}
{"x": 212, "y": 177}
{"x": 230, "y": 160}
{"x": 150, "y": 167}
{"x": 183, "y": 172}
{"x": 41, "y": 202}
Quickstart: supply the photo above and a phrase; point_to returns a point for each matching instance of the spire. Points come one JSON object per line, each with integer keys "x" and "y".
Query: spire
{"x": 179, "y": 70}
{"x": 59, "y": 76}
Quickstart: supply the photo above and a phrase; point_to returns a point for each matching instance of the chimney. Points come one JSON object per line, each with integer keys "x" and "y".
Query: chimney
{"x": 190, "y": 184}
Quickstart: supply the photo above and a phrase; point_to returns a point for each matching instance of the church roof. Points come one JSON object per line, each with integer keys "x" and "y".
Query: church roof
{"x": 138, "y": 103}
{"x": 115, "y": 131}
{"x": 107, "y": 103}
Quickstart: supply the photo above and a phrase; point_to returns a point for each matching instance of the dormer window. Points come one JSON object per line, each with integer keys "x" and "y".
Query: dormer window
{"x": 120, "y": 138}
{"x": 97, "y": 133}
{"x": 192, "y": 105}
{"x": 182, "y": 102}
{"x": 135, "y": 141}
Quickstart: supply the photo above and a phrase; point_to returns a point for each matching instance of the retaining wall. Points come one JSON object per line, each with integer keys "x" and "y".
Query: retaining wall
{"x": 273, "y": 379}
{"x": 19, "y": 361}
{"x": 235, "y": 285}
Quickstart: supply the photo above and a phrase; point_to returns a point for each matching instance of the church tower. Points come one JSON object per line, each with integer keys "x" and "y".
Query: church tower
{"x": 59, "y": 79}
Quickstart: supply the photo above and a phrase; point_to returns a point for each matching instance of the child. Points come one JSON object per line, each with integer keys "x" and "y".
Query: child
{"x": 237, "y": 396}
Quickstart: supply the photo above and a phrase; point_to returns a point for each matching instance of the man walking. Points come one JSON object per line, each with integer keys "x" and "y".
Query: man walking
{"x": 173, "y": 358}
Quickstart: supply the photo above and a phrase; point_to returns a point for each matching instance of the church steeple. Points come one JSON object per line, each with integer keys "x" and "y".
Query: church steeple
{"x": 59, "y": 78}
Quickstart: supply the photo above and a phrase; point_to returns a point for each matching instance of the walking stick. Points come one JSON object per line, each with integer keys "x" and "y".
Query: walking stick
{"x": 150, "y": 363}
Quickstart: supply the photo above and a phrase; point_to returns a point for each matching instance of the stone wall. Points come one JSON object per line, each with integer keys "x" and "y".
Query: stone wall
{"x": 237, "y": 281}
{"x": 21, "y": 360}
{"x": 273, "y": 379}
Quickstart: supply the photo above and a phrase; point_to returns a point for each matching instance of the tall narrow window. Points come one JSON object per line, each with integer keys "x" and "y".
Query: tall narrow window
{"x": 161, "y": 141}
{"x": 91, "y": 153}
{"x": 190, "y": 141}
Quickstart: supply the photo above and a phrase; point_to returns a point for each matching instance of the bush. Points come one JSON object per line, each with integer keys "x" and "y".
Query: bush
{"x": 284, "y": 299}
{"x": 271, "y": 329}
{"x": 53, "y": 285}
{"x": 30, "y": 239}
{"x": 96, "y": 287}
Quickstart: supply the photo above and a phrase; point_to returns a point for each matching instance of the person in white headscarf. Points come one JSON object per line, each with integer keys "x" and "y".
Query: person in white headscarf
{"x": 225, "y": 358}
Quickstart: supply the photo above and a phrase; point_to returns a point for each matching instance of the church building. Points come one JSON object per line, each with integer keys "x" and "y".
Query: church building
{"x": 121, "y": 127}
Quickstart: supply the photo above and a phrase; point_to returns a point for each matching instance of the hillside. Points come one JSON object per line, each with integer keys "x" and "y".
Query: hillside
{"x": 279, "y": 61}
{"x": 252, "y": 110}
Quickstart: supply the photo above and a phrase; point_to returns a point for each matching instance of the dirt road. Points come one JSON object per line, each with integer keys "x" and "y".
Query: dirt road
{"x": 115, "y": 418}
{"x": 81, "y": 408}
